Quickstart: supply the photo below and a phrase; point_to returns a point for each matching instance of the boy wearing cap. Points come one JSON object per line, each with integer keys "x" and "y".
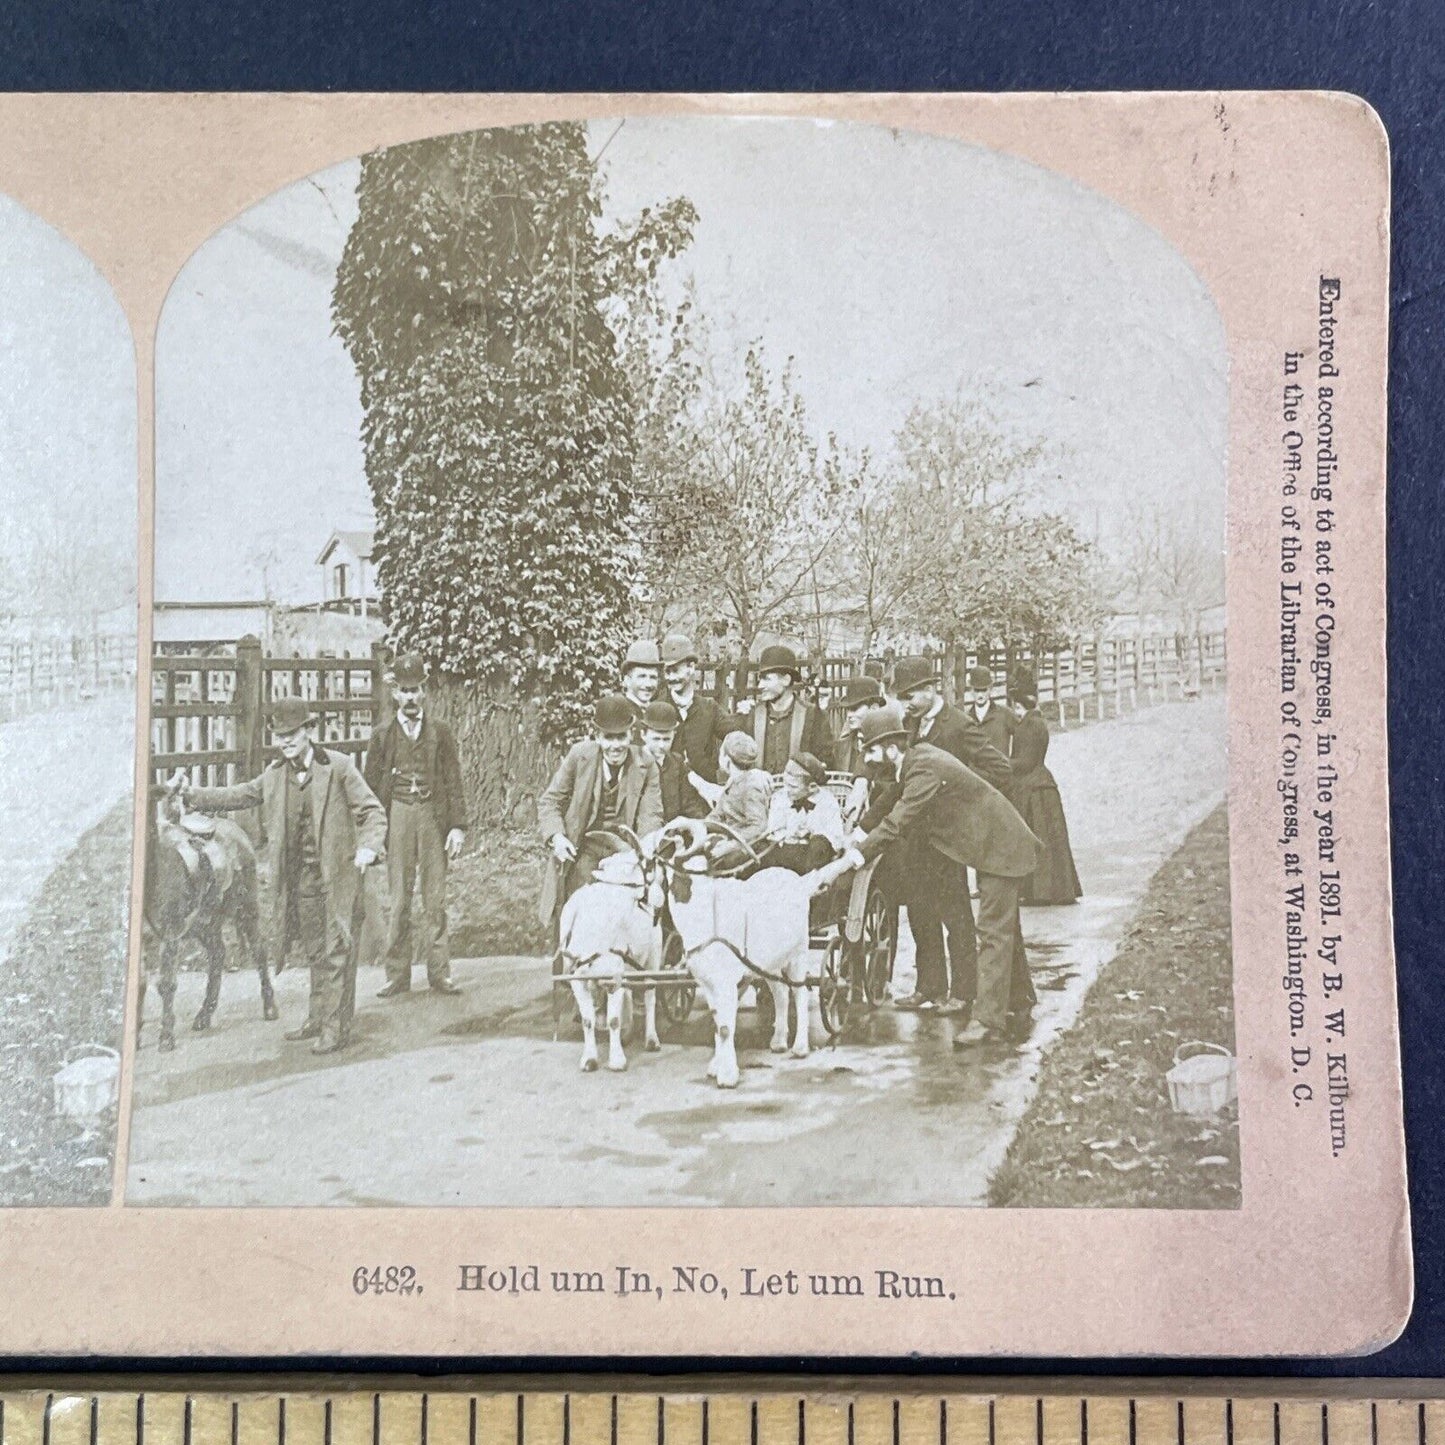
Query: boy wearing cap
{"x": 321, "y": 827}
{"x": 603, "y": 782}
{"x": 703, "y": 724}
{"x": 947, "y": 809}
{"x": 659, "y": 731}
{"x": 783, "y": 725}
{"x": 805, "y": 823}
{"x": 744, "y": 800}
{"x": 413, "y": 768}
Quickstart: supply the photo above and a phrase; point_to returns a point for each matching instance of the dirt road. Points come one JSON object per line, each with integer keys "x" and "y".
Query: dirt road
{"x": 468, "y": 1100}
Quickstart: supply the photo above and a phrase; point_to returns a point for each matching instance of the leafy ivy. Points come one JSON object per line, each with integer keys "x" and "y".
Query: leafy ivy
{"x": 481, "y": 303}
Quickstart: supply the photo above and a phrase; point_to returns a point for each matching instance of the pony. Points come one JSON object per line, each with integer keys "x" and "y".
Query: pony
{"x": 195, "y": 881}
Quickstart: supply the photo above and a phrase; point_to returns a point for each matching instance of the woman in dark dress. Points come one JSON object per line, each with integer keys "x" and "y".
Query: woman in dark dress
{"x": 1036, "y": 795}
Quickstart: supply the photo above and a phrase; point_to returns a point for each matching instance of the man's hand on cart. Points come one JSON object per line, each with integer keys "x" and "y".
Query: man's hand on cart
{"x": 564, "y": 850}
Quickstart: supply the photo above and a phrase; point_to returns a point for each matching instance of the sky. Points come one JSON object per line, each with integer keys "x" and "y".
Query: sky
{"x": 67, "y": 411}
{"x": 893, "y": 267}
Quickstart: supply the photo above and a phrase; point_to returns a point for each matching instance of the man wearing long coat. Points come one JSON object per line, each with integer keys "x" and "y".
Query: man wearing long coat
{"x": 945, "y": 808}
{"x": 604, "y": 780}
{"x": 321, "y": 826}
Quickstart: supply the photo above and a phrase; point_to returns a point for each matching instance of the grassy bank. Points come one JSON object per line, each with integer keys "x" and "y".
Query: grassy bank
{"x": 492, "y": 893}
{"x": 1100, "y": 1132}
{"x": 63, "y": 985}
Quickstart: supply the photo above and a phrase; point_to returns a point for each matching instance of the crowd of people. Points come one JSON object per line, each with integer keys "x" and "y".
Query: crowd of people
{"x": 930, "y": 789}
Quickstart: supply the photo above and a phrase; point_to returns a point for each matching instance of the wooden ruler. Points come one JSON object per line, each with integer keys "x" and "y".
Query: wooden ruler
{"x": 729, "y": 1413}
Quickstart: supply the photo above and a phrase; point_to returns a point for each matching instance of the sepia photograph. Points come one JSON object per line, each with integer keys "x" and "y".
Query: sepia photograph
{"x": 688, "y": 668}
{"x": 68, "y": 532}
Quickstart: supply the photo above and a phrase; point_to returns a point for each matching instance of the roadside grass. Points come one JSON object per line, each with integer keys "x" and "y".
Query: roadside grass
{"x": 1100, "y": 1133}
{"x": 492, "y": 893}
{"x": 63, "y": 985}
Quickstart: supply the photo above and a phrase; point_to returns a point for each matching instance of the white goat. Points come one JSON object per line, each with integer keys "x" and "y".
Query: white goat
{"x": 608, "y": 927}
{"x": 724, "y": 920}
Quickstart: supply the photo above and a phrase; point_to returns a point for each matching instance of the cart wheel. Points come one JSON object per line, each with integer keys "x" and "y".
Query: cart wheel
{"x": 675, "y": 1001}
{"x": 835, "y": 989}
{"x": 878, "y": 945}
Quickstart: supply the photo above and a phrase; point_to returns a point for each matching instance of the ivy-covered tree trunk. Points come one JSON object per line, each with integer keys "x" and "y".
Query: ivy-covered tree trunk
{"x": 472, "y": 296}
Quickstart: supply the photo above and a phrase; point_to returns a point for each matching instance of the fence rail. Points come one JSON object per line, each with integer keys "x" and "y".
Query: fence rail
{"x": 38, "y": 673}
{"x": 208, "y": 711}
{"x": 1097, "y": 678}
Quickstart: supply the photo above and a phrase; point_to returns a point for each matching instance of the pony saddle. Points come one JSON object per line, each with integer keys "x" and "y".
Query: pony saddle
{"x": 208, "y": 863}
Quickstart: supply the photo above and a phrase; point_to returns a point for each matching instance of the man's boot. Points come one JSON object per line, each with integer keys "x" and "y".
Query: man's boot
{"x": 308, "y": 1030}
{"x": 328, "y": 1039}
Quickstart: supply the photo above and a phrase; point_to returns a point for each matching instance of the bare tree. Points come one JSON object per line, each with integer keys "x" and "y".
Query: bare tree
{"x": 741, "y": 540}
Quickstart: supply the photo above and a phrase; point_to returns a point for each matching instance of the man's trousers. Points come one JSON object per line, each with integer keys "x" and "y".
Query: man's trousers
{"x": 936, "y": 892}
{"x": 416, "y": 861}
{"x": 1003, "y": 978}
{"x": 331, "y": 962}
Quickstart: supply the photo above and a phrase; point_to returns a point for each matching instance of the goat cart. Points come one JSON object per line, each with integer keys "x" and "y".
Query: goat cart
{"x": 854, "y": 924}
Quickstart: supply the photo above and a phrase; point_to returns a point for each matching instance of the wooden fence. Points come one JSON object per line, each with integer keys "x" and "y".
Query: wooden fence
{"x": 1098, "y": 678}
{"x": 209, "y": 710}
{"x": 209, "y": 707}
{"x": 46, "y": 672}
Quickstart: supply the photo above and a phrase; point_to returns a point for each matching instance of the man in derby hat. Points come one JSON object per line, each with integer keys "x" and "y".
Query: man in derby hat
{"x": 680, "y": 799}
{"x": 703, "y": 724}
{"x": 783, "y": 725}
{"x": 930, "y": 719}
{"x": 641, "y": 674}
{"x": 860, "y": 695}
{"x": 947, "y": 809}
{"x": 321, "y": 827}
{"x": 940, "y": 912}
{"x": 413, "y": 768}
{"x": 993, "y": 719}
{"x": 605, "y": 781}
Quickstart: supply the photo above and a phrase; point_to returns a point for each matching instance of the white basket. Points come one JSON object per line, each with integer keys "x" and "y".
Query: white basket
{"x": 1203, "y": 1079}
{"x": 87, "y": 1086}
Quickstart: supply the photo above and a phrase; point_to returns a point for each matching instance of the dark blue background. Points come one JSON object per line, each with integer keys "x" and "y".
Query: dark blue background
{"x": 1392, "y": 54}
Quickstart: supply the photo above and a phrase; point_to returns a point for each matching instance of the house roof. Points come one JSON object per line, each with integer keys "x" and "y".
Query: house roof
{"x": 358, "y": 543}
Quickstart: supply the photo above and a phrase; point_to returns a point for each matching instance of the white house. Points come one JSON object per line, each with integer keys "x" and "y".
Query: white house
{"x": 348, "y": 583}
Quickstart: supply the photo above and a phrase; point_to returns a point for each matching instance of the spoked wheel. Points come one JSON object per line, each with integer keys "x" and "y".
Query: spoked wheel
{"x": 675, "y": 1000}
{"x": 878, "y": 945}
{"x": 837, "y": 993}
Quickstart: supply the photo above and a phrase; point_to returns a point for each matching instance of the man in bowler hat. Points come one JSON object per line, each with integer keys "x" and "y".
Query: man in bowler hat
{"x": 641, "y": 672}
{"x": 604, "y": 781}
{"x": 703, "y": 724}
{"x": 322, "y": 826}
{"x": 413, "y": 768}
{"x": 783, "y": 725}
{"x": 994, "y": 719}
{"x": 945, "y": 808}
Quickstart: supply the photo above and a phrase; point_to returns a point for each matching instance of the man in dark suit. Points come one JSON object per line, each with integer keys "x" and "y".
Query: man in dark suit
{"x": 321, "y": 828}
{"x": 992, "y": 718}
{"x": 703, "y": 724}
{"x": 940, "y": 912}
{"x": 917, "y": 685}
{"x": 782, "y": 724}
{"x": 945, "y": 808}
{"x": 859, "y": 694}
{"x": 413, "y": 768}
{"x": 659, "y": 734}
{"x": 603, "y": 781}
